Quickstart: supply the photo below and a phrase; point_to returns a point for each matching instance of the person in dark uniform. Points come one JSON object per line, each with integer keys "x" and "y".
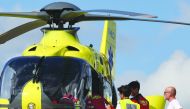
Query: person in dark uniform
{"x": 136, "y": 96}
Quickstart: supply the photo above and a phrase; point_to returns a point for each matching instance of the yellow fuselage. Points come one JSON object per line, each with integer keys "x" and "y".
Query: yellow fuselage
{"x": 65, "y": 43}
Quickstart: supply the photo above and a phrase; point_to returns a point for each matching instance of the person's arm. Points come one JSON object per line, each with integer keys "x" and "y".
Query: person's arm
{"x": 108, "y": 104}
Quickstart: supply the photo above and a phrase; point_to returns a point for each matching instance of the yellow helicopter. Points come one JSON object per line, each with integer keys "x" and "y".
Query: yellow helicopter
{"x": 59, "y": 65}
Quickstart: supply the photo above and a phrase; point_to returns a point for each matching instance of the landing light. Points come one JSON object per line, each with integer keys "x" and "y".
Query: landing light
{"x": 31, "y": 106}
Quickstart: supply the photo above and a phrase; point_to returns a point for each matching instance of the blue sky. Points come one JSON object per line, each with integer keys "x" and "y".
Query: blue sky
{"x": 144, "y": 50}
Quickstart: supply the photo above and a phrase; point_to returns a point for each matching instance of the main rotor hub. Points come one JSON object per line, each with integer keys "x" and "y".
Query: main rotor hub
{"x": 56, "y": 9}
{"x": 60, "y": 6}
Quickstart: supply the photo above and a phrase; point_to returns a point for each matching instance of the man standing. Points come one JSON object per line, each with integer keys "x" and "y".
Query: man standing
{"x": 125, "y": 102}
{"x": 136, "y": 96}
{"x": 169, "y": 94}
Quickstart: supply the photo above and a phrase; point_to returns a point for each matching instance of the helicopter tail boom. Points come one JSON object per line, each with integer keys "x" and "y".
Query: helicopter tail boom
{"x": 108, "y": 44}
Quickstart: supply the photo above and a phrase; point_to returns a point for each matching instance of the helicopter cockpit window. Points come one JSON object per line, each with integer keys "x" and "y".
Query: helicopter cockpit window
{"x": 58, "y": 80}
{"x": 88, "y": 81}
{"x": 101, "y": 61}
{"x": 107, "y": 91}
{"x": 15, "y": 74}
{"x": 84, "y": 88}
{"x": 88, "y": 77}
{"x": 59, "y": 76}
{"x": 6, "y": 80}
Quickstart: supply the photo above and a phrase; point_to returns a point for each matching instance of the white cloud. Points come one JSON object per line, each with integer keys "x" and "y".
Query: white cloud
{"x": 173, "y": 72}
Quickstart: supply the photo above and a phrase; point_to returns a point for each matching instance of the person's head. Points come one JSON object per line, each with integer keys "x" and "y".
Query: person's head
{"x": 134, "y": 87}
{"x": 170, "y": 93}
{"x": 124, "y": 91}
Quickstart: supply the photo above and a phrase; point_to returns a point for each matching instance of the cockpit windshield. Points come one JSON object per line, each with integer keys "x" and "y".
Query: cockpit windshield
{"x": 58, "y": 75}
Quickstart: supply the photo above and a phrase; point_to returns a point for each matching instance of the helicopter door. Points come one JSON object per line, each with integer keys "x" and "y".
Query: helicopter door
{"x": 88, "y": 81}
{"x": 114, "y": 96}
{"x": 97, "y": 84}
{"x": 85, "y": 86}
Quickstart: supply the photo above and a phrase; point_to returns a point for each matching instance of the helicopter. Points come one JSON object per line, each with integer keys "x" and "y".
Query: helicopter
{"x": 59, "y": 64}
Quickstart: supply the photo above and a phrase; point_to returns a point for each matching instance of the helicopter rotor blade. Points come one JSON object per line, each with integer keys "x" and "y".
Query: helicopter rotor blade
{"x": 134, "y": 14}
{"x": 161, "y": 21}
{"x": 33, "y": 15}
{"x": 21, "y": 30}
{"x": 94, "y": 17}
{"x": 77, "y": 16}
{"x": 70, "y": 15}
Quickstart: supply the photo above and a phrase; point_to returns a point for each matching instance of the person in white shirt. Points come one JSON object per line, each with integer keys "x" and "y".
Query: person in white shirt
{"x": 169, "y": 95}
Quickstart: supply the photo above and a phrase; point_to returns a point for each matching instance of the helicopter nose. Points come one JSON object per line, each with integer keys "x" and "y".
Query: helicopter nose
{"x": 31, "y": 96}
